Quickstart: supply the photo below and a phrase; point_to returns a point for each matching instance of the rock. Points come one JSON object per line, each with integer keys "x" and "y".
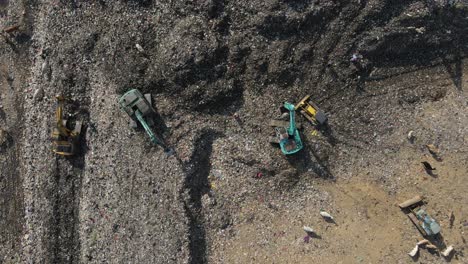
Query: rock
{"x": 38, "y": 94}
{"x": 139, "y": 48}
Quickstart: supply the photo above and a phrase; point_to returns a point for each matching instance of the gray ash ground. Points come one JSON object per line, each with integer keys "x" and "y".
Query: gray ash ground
{"x": 122, "y": 200}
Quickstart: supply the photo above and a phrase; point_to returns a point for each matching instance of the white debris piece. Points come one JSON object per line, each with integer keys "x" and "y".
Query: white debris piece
{"x": 414, "y": 251}
{"x": 447, "y": 251}
{"x": 139, "y": 48}
{"x": 326, "y": 215}
{"x": 38, "y": 94}
{"x": 44, "y": 66}
{"x": 411, "y": 135}
{"x": 423, "y": 242}
{"x": 421, "y": 30}
{"x": 308, "y": 229}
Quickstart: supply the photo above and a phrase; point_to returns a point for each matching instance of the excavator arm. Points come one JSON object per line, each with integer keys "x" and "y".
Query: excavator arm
{"x": 148, "y": 130}
{"x": 63, "y": 130}
{"x": 292, "y": 118}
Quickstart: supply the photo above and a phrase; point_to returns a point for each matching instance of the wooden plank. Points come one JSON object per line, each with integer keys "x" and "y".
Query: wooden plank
{"x": 410, "y": 202}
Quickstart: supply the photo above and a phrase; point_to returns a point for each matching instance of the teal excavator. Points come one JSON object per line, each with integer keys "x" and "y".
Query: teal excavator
{"x": 287, "y": 135}
{"x": 139, "y": 108}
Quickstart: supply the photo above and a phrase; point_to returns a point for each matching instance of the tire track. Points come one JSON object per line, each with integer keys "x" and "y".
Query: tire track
{"x": 65, "y": 244}
{"x": 64, "y": 239}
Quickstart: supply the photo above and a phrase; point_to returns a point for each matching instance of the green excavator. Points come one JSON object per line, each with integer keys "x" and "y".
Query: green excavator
{"x": 287, "y": 134}
{"x": 139, "y": 108}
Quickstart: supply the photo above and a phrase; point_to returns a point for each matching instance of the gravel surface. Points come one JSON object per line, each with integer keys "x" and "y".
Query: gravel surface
{"x": 217, "y": 71}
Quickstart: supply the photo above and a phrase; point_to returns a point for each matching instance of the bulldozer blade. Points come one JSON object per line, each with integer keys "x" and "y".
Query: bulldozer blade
{"x": 411, "y": 202}
{"x": 303, "y": 100}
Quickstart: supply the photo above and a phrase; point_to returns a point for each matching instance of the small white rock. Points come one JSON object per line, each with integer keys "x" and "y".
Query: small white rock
{"x": 139, "y": 48}
{"x": 447, "y": 251}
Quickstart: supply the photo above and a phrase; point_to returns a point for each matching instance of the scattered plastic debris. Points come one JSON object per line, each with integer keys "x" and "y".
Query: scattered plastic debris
{"x": 447, "y": 251}
{"x": 259, "y": 175}
{"x": 413, "y": 252}
{"x": 307, "y": 239}
{"x": 356, "y": 57}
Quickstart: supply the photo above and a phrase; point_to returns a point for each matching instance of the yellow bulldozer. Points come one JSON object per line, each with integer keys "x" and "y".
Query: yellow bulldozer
{"x": 311, "y": 111}
{"x": 64, "y": 139}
